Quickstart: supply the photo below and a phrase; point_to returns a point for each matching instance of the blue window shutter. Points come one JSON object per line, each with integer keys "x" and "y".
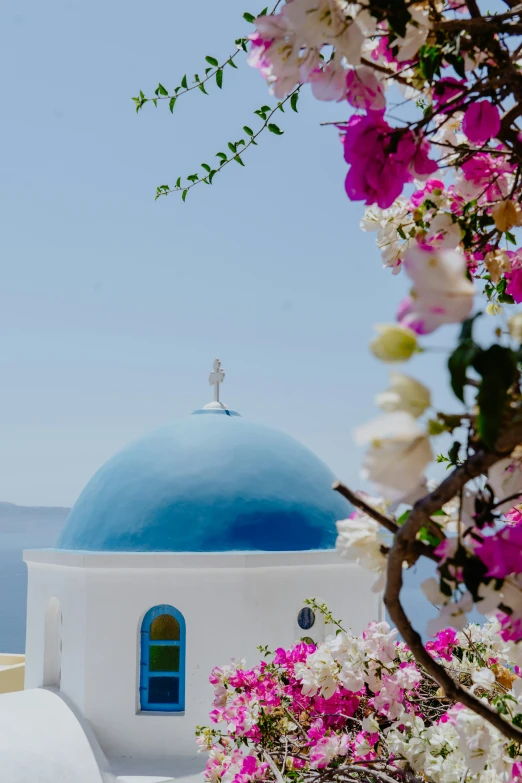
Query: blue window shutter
{"x": 162, "y": 691}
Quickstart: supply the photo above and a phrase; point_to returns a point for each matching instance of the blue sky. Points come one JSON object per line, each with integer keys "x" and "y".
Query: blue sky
{"x": 113, "y": 306}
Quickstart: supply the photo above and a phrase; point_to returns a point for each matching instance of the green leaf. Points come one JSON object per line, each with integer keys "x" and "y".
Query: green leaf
{"x": 184, "y": 195}
{"x": 403, "y": 517}
{"x": 211, "y": 175}
{"x": 265, "y": 108}
{"x": 178, "y": 182}
{"x": 458, "y": 363}
{"x": 221, "y": 155}
{"x": 248, "y": 130}
{"x": 293, "y": 101}
{"x": 428, "y": 537}
{"x": 172, "y": 104}
{"x": 219, "y": 78}
{"x": 161, "y": 90}
{"x": 184, "y": 82}
{"x": 193, "y": 177}
{"x": 232, "y": 147}
{"x": 238, "y": 160}
{"x": 498, "y": 368}
{"x": 205, "y": 166}
{"x": 273, "y": 128}
{"x": 249, "y": 18}
{"x": 517, "y": 720}
{"x": 466, "y": 332}
{"x": 202, "y": 88}
{"x": 231, "y": 62}
{"x": 212, "y": 61}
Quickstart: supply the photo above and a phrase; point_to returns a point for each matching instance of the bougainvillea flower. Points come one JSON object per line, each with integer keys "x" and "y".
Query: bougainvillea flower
{"x": 481, "y": 122}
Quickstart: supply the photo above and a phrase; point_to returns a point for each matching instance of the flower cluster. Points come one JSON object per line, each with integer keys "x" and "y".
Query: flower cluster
{"x": 356, "y": 703}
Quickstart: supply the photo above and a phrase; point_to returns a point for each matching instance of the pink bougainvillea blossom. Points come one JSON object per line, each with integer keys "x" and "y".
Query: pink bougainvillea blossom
{"x": 514, "y": 286}
{"x": 446, "y": 90}
{"x": 364, "y": 90}
{"x": 481, "y": 122}
{"x": 443, "y": 644}
{"x": 502, "y": 552}
{"x": 514, "y": 516}
{"x": 382, "y": 159}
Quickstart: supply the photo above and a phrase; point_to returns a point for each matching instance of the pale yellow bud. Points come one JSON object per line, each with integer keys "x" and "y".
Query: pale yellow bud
{"x": 493, "y": 309}
{"x": 506, "y": 214}
{"x": 497, "y": 264}
{"x": 515, "y": 327}
{"x": 394, "y": 343}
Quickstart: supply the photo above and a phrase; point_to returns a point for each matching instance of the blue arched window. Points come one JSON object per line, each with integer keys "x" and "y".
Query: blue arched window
{"x": 162, "y": 664}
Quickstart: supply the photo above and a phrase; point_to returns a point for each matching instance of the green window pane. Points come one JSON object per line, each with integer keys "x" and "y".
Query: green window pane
{"x": 163, "y": 658}
{"x": 164, "y": 628}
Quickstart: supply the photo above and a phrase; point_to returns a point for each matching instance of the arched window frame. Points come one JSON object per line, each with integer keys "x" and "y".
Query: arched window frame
{"x": 146, "y": 675}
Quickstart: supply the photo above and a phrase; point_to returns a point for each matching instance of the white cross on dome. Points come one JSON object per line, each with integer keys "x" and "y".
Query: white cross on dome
{"x": 216, "y": 377}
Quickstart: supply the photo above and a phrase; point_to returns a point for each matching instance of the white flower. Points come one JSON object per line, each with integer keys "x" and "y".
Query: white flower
{"x": 431, "y": 589}
{"x": 452, "y": 615}
{"x": 482, "y": 678}
{"x": 405, "y": 394}
{"x": 416, "y": 33}
{"x": 361, "y": 536}
{"x": 442, "y": 294}
{"x": 398, "y": 454}
{"x": 515, "y": 327}
{"x": 444, "y": 232}
{"x": 505, "y": 479}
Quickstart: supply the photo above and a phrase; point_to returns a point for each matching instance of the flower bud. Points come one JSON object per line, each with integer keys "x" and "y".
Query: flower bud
{"x": 394, "y": 343}
{"x": 506, "y": 214}
{"x": 497, "y": 263}
{"x": 515, "y": 327}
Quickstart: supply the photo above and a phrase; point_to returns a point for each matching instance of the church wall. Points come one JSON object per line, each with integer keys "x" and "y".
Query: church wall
{"x": 45, "y": 583}
{"x": 228, "y": 612}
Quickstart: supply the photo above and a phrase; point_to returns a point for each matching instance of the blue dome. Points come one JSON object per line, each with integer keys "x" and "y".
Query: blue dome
{"x": 208, "y": 483}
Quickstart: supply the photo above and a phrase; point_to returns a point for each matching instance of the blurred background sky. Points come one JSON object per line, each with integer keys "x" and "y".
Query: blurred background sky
{"x": 113, "y": 306}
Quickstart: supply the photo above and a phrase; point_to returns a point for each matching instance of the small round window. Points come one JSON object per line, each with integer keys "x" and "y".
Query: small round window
{"x": 306, "y": 618}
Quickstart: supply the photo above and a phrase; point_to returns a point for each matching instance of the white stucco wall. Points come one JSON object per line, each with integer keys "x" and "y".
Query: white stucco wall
{"x": 231, "y": 603}
{"x": 41, "y": 741}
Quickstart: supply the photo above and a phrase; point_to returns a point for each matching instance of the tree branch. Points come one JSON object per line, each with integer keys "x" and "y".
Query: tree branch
{"x": 405, "y": 539}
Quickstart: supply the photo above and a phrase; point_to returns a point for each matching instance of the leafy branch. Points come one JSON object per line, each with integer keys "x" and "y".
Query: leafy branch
{"x": 265, "y": 113}
{"x": 214, "y": 70}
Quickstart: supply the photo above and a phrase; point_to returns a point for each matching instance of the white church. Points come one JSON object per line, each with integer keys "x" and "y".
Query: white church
{"x": 190, "y": 547}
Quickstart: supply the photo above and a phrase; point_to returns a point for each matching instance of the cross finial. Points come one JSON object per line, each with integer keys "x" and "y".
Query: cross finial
{"x": 216, "y": 377}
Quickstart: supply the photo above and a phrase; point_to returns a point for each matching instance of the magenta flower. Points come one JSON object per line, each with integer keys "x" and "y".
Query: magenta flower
{"x": 502, "y": 552}
{"x": 481, "y": 122}
{"x": 363, "y": 90}
{"x": 382, "y": 159}
{"x": 446, "y": 90}
{"x": 443, "y": 644}
{"x": 514, "y": 286}
{"x": 514, "y": 516}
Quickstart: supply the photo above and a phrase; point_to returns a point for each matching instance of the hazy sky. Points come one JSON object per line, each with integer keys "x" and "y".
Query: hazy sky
{"x": 113, "y": 306}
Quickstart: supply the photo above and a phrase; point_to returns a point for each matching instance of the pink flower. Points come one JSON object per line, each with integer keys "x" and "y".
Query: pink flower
{"x": 363, "y": 90}
{"x": 481, "y": 122}
{"x": 486, "y": 174}
{"x": 442, "y": 294}
{"x": 515, "y": 515}
{"x": 443, "y": 644}
{"x": 502, "y": 552}
{"x": 514, "y": 286}
{"x": 446, "y": 90}
{"x": 382, "y": 159}
{"x": 328, "y": 83}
